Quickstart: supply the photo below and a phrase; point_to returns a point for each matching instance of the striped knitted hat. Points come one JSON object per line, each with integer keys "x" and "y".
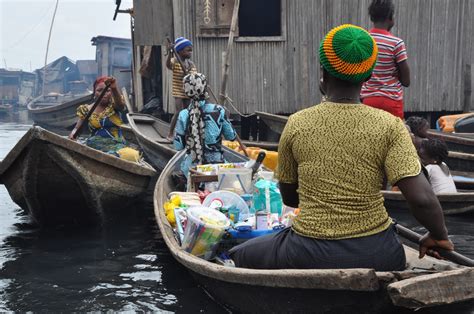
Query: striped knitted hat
{"x": 180, "y": 43}
{"x": 349, "y": 53}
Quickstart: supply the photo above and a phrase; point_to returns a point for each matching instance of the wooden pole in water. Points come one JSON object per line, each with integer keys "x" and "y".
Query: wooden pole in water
{"x": 47, "y": 45}
{"x": 226, "y": 54}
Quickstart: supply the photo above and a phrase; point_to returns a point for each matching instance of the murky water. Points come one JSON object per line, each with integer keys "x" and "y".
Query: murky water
{"x": 123, "y": 266}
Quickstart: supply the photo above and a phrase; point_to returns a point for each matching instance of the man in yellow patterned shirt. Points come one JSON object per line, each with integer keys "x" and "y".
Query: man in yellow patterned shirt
{"x": 332, "y": 161}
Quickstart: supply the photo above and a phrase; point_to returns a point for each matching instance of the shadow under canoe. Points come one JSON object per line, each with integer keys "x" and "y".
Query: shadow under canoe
{"x": 425, "y": 282}
{"x": 62, "y": 182}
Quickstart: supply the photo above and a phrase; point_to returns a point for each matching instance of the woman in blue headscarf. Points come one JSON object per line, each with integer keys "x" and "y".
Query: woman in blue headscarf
{"x": 201, "y": 126}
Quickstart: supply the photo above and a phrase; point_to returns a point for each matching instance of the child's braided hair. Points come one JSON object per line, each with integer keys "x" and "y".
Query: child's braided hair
{"x": 416, "y": 123}
{"x": 381, "y": 10}
{"x": 436, "y": 149}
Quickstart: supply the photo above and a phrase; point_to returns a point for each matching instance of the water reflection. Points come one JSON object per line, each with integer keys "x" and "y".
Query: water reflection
{"x": 122, "y": 266}
{"x": 460, "y": 227}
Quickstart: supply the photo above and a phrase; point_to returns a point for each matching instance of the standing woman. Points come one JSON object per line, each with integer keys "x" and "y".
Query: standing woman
{"x": 384, "y": 88}
{"x": 106, "y": 121}
{"x": 201, "y": 126}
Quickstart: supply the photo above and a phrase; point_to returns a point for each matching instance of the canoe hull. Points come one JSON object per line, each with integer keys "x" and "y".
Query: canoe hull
{"x": 457, "y": 142}
{"x": 151, "y": 133}
{"x": 62, "y": 182}
{"x": 258, "y": 299}
{"x": 452, "y": 203}
{"x": 309, "y": 290}
{"x": 275, "y": 122}
{"x": 460, "y": 161}
{"x": 60, "y": 116}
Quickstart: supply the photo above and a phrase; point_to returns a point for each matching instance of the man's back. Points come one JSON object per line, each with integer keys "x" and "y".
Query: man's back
{"x": 340, "y": 153}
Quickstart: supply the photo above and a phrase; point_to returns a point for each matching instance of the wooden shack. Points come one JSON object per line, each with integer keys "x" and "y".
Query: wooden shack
{"x": 114, "y": 58}
{"x": 87, "y": 71}
{"x": 17, "y": 87}
{"x": 56, "y": 76}
{"x": 274, "y": 62}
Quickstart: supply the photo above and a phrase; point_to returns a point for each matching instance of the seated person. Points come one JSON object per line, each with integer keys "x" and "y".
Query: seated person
{"x": 433, "y": 153}
{"x": 201, "y": 126}
{"x": 332, "y": 159}
{"x": 419, "y": 126}
{"x": 105, "y": 122}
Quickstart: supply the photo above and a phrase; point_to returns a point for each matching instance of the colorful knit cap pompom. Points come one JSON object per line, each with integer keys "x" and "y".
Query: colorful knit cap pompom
{"x": 349, "y": 53}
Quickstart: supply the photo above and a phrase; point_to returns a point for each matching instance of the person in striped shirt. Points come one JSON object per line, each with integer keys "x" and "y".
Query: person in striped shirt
{"x": 184, "y": 48}
{"x": 384, "y": 89}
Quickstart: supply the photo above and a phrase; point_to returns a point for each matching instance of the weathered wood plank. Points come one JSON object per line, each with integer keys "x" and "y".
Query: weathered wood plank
{"x": 435, "y": 289}
{"x": 282, "y": 76}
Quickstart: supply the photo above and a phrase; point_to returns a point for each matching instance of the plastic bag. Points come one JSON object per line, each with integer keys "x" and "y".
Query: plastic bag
{"x": 267, "y": 197}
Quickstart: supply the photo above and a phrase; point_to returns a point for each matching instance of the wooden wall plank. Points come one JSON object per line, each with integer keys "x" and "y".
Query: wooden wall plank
{"x": 283, "y": 76}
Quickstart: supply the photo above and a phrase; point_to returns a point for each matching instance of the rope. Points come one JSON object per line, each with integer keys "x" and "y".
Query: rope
{"x": 230, "y": 101}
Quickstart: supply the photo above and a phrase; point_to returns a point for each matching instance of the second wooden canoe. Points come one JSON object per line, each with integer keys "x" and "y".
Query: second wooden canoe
{"x": 62, "y": 182}
{"x": 452, "y": 203}
{"x": 275, "y": 122}
{"x": 457, "y": 142}
{"x": 58, "y": 114}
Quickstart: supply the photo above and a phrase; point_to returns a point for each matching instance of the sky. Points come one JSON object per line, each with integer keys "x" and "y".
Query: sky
{"x": 25, "y": 24}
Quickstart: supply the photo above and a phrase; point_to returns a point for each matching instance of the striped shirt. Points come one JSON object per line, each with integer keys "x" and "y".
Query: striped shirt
{"x": 178, "y": 75}
{"x": 384, "y": 81}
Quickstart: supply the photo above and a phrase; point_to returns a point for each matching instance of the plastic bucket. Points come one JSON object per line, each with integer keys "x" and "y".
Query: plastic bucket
{"x": 237, "y": 180}
{"x": 204, "y": 229}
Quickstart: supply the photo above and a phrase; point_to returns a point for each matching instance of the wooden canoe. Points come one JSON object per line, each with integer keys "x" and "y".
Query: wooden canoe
{"x": 57, "y": 113}
{"x": 426, "y": 282}
{"x": 456, "y": 142}
{"x": 463, "y": 180}
{"x": 59, "y": 181}
{"x": 275, "y": 122}
{"x": 151, "y": 135}
{"x": 452, "y": 203}
{"x": 460, "y": 161}
{"x": 151, "y": 132}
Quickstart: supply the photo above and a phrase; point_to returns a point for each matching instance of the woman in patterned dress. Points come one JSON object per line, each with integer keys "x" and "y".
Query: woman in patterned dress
{"x": 105, "y": 122}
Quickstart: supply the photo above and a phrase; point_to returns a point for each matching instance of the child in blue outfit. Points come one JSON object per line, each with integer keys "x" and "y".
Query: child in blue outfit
{"x": 201, "y": 126}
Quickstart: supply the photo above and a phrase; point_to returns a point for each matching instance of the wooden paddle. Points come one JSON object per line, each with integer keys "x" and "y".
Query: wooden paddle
{"x": 77, "y": 131}
{"x": 449, "y": 255}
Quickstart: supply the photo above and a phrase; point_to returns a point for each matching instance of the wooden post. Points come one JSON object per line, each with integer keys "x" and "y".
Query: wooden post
{"x": 226, "y": 54}
{"x": 47, "y": 46}
{"x": 467, "y": 88}
{"x": 127, "y": 100}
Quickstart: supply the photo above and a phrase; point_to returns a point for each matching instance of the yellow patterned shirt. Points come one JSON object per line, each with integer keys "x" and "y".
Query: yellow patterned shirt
{"x": 178, "y": 75}
{"x": 338, "y": 154}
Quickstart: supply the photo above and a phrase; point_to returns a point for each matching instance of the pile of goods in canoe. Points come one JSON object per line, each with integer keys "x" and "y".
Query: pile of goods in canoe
{"x": 225, "y": 205}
